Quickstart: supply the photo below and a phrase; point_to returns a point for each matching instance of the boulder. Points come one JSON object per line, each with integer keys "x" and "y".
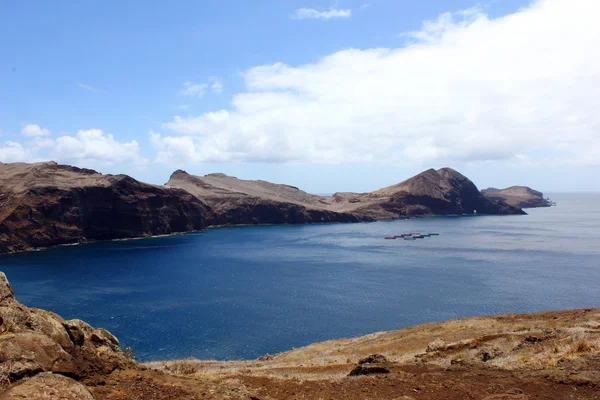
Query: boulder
{"x": 19, "y": 318}
{"x": 373, "y": 364}
{"x": 436, "y": 345}
{"x": 28, "y": 353}
{"x": 41, "y": 341}
{"x": 48, "y": 386}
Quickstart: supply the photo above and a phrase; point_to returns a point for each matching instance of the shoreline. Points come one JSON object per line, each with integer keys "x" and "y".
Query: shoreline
{"x": 93, "y": 241}
{"x": 425, "y": 326}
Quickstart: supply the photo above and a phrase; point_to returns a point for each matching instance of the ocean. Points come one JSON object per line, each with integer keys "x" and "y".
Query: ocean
{"x": 243, "y": 292}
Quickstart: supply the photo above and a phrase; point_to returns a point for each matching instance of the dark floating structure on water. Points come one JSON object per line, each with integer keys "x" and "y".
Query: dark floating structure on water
{"x": 412, "y": 236}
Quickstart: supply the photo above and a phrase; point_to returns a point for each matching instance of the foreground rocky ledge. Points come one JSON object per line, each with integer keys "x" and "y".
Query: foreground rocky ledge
{"x": 547, "y": 355}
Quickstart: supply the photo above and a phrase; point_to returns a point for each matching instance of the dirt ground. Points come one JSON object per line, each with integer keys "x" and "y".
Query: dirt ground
{"x": 550, "y": 355}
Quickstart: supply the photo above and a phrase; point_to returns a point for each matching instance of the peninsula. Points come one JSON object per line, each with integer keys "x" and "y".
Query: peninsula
{"x": 45, "y": 204}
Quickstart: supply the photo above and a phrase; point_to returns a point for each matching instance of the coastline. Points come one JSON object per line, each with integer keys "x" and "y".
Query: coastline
{"x": 92, "y": 241}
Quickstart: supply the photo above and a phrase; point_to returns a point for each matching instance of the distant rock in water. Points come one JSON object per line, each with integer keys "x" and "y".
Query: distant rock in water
{"x": 518, "y": 196}
{"x": 45, "y": 204}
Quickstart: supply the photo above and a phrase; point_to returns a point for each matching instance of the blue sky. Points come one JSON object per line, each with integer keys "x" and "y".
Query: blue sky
{"x": 328, "y": 96}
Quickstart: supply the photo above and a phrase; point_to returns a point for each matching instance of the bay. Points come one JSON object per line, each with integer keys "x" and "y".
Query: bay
{"x": 243, "y": 292}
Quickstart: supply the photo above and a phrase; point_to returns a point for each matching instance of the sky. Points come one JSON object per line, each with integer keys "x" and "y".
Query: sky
{"x": 346, "y": 95}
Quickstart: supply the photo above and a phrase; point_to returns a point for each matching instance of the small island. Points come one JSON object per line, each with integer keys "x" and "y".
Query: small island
{"x": 518, "y": 196}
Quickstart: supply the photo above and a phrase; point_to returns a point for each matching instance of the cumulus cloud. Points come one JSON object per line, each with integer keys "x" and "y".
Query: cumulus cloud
{"x": 12, "y": 152}
{"x": 90, "y": 147}
{"x": 311, "y": 13}
{"x": 464, "y": 88}
{"x": 34, "y": 130}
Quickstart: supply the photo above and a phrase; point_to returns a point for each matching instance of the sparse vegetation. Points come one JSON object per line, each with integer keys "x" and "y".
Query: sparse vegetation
{"x": 187, "y": 366}
{"x": 129, "y": 353}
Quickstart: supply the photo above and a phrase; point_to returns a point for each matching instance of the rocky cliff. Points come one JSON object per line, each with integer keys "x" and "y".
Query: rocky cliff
{"x": 237, "y": 201}
{"x": 518, "y": 196}
{"x": 46, "y": 204}
{"x": 41, "y": 344}
{"x": 432, "y": 192}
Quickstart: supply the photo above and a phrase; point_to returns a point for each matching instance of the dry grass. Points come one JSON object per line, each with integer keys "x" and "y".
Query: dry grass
{"x": 187, "y": 366}
{"x": 563, "y": 335}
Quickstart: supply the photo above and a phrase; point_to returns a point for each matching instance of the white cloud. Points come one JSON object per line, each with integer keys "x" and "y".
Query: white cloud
{"x": 311, "y": 13}
{"x": 90, "y": 148}
{"x": 183, "y": 107}
{"x": 12, "y": 152}
{"x": 87, "y": 87}
{"x": 464, "y": 88}
{"x": 216, "y": 86}
{"x": 194, "y": 89}
{"x": 199, "y": 89}
{"x": 34, "y": 130}
{"x": 365, "y": 6}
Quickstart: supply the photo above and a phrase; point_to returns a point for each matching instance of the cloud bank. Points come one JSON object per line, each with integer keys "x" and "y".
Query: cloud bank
{"x": 523, "y": 88}
{"x": 90, "y": 147}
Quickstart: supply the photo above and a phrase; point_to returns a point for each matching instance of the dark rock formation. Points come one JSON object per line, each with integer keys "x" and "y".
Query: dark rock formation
{"x": 441, "y": 192}
{"x": 239, "y": 202}
{"x": 518, "y": 196}
{"x": 48, "y": 204}
{"x": 373, "y": 364}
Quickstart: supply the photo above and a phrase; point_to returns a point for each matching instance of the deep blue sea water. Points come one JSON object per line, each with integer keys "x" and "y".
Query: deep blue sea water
{"x": 243, "y": 292}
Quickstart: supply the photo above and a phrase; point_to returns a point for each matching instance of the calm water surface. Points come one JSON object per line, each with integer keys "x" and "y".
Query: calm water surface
{"x": 244, "y": 292}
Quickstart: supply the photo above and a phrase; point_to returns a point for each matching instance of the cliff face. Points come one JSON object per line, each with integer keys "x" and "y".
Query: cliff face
{"x": 440, "y": 192}
{"x": 37, "y": 342}
{"x": 236, "y": 201}
{"x": 47, "y": 204}
{"x": 432, "y": 192}
{"x": 518, "y": 196}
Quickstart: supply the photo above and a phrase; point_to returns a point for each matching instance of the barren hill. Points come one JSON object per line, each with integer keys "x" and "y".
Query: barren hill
{"x": 518, "y": 196}
{"x": 44, "y": 204}
{"x": 431, "y": 192}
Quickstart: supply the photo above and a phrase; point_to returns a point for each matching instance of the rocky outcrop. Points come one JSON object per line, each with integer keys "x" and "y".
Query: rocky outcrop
{"x": 36, "y": 341}
{"x": 432, "y": 192}
{"x": 48, "y": 386}
{"x": 518, "y": 196}
{"x": 373, "y": 364}
{"x": 48, "y": 204}
{"x": 241, "y": 202}
{"x": 441, "y": 192}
